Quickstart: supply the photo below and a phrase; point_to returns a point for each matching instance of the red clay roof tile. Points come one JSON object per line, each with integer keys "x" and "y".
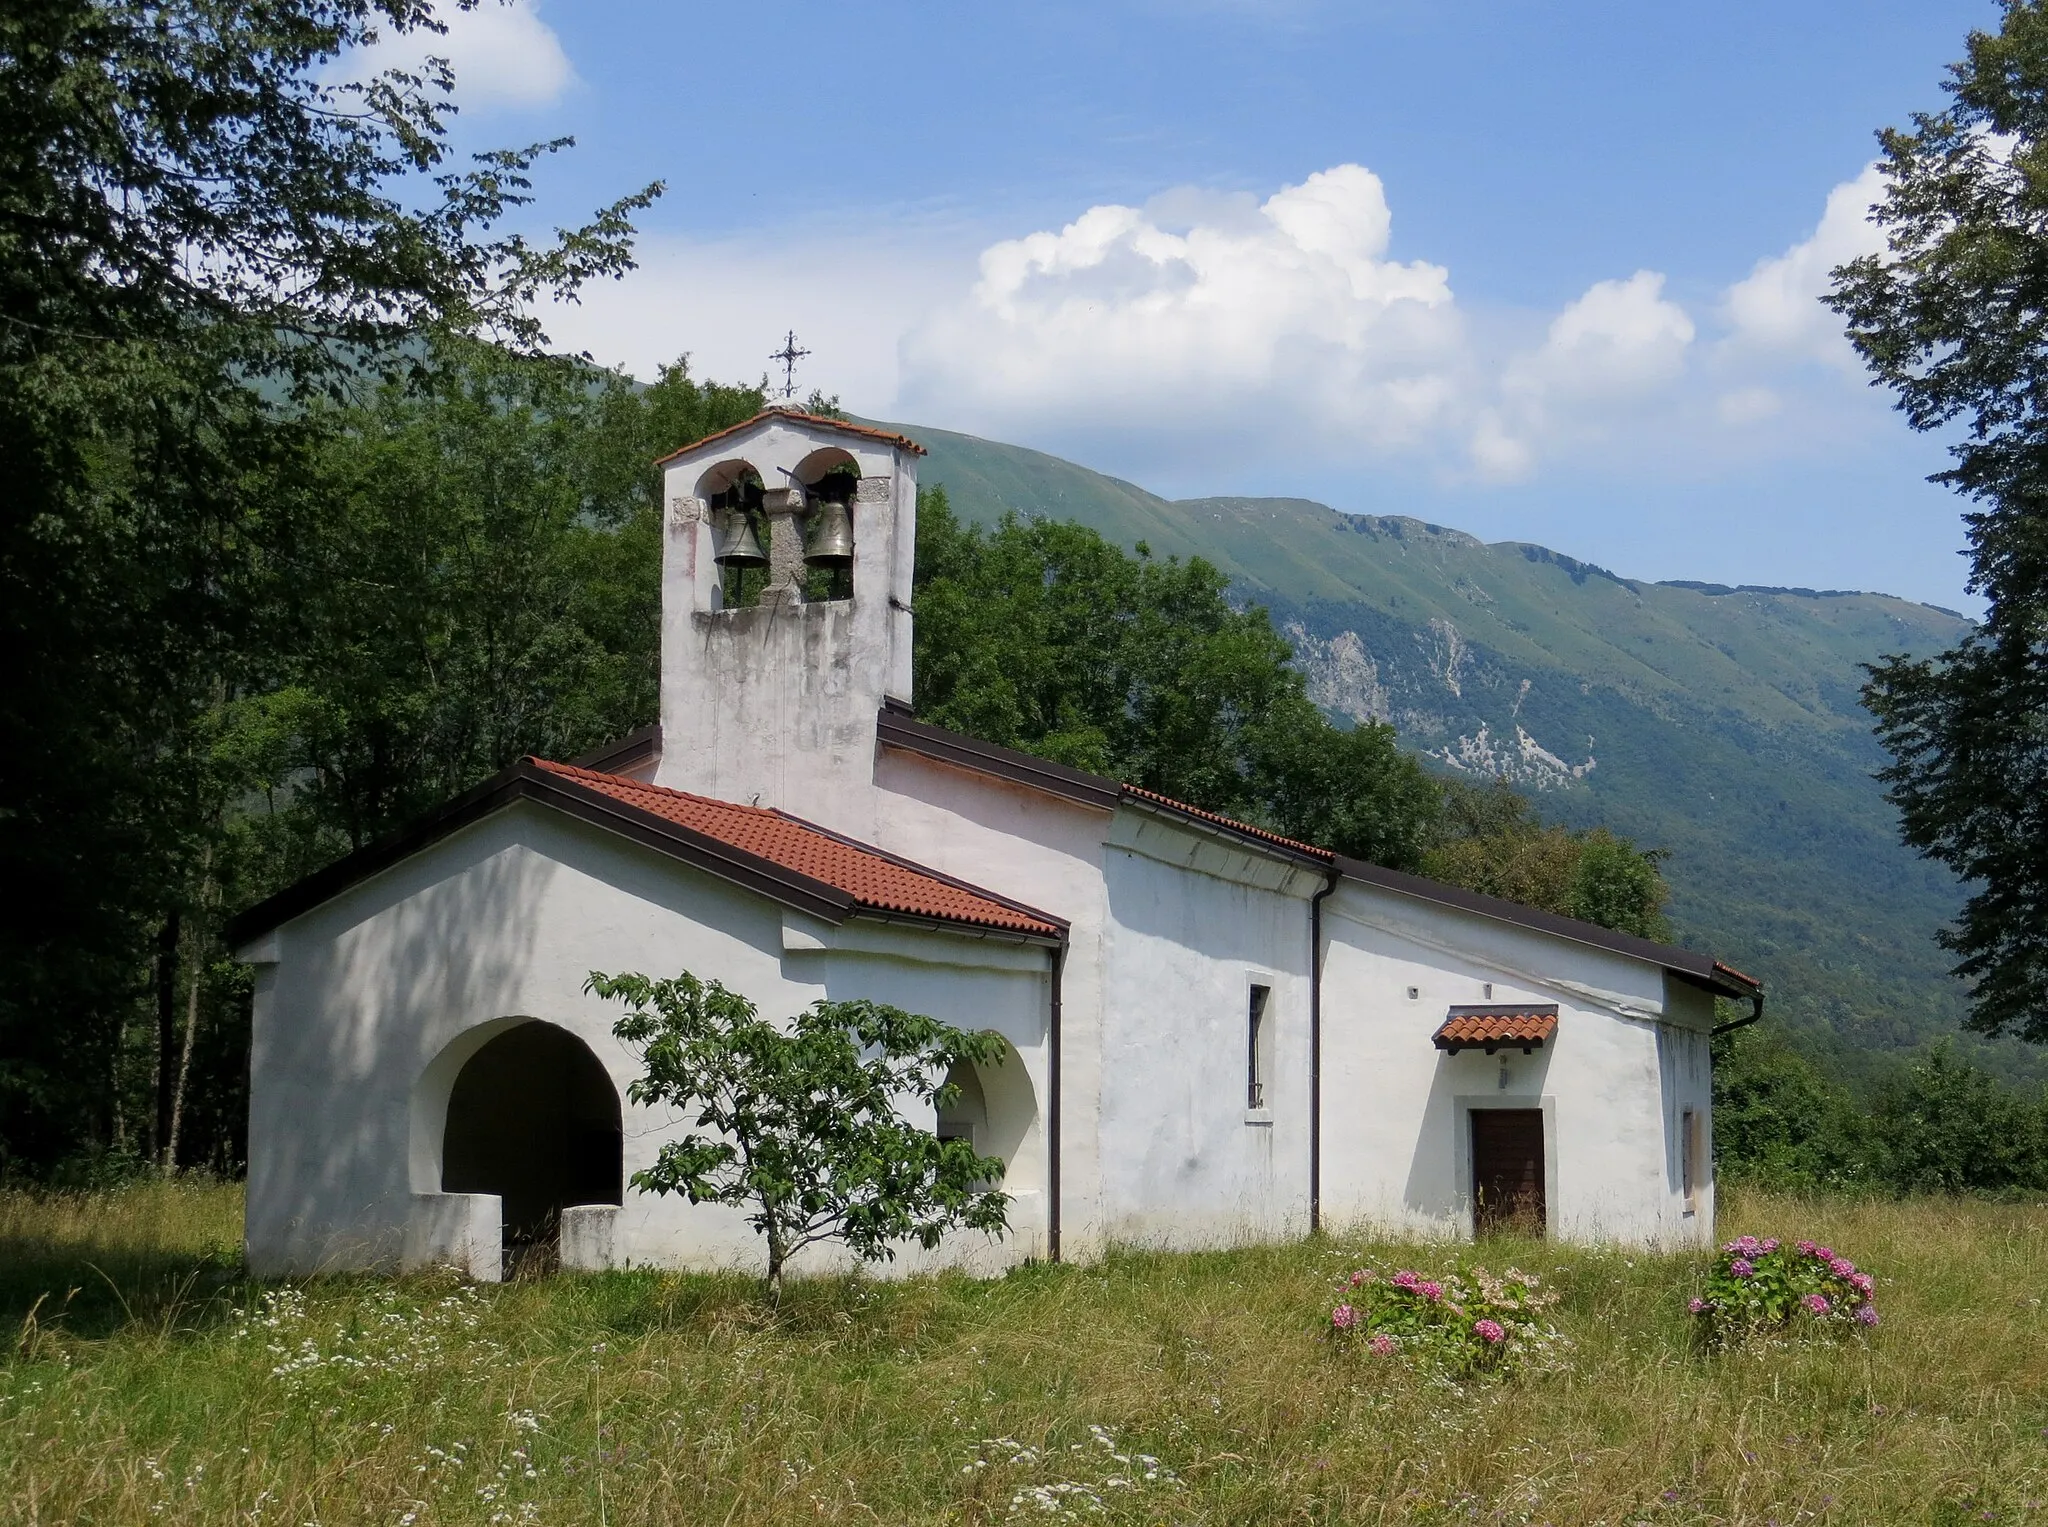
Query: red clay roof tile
{"x": 875, "y": 880}
{"x": 1523, "y": 1026}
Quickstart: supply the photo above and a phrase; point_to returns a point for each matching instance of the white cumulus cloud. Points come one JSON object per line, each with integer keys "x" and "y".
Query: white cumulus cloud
{"x": 1198, "y": 312}
{"x": 501, "y": 52}
{"x": 1777, "y": 308}
{"x": 1616, "y": 346}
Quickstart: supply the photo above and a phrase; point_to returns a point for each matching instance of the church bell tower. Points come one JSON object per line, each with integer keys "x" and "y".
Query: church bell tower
{"x": 787, "y": 555}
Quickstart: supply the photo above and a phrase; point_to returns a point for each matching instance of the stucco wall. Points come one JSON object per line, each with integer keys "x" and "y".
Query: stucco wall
{"x": 1194, "y": 924}
{"x": 1626, "y": 1060}
{"x": 366, "y": 1007}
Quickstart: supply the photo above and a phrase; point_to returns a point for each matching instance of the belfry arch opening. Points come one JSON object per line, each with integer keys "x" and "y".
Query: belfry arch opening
{"x": 743, "y": 531}
{"x": 534, "y": 1118}
{"x": 830, "y": 480}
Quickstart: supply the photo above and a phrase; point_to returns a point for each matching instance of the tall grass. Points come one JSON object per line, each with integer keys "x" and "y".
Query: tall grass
{"x": 1147, "y": 1388}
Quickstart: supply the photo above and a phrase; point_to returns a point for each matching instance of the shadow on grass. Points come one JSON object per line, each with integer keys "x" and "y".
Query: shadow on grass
{"x": 86, "y": 1289}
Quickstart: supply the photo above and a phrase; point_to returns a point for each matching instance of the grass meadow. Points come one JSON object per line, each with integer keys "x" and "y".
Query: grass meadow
{"x": 145, "y": 1380}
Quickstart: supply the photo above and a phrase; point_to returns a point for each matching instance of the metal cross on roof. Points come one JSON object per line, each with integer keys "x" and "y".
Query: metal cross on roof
{"x": 789, "y": 355}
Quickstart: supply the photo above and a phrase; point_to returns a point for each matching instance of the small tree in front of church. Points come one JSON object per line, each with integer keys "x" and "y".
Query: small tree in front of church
{"x": 802, "y": 1125}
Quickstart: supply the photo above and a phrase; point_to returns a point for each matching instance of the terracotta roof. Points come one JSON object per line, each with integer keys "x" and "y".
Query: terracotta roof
{"x": 1231, "y": 824}
{"x": 876, "y": 881}
{"x": 818, "y": 421}
{"x": 1523, "y": 1026}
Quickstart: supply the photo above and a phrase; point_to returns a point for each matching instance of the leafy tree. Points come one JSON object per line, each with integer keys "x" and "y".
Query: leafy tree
{"x": 1948, "y": 1127}
{"x": 482, "y": 581}
{"x": 1045, "y": 637}
{"x": 1954, "y": 318}
{"x": 1489, "y": 839}
{"x": 199, "y": 236}
{"x": 804, "y": 1128}
{"x": 1782, "y": 1125}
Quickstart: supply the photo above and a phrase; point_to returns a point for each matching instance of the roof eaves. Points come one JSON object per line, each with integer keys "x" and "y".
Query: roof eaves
{"x": 1699, "y": 968}
{"x": 524, "y": 781}
{"x": 894, "y": 729}
{"x": 1242, "y": 833}
{"x": 623, "y": 752}
{"x": 1056, "y": 927}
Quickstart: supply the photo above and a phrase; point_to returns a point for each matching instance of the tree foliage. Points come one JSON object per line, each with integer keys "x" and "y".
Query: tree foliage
{"x": 1489, "y": 839}
{"x": 804, "y": 1124}
{"x": 1045, "y": 637}
{"x": 202, "y": 237}
{"x": 1953, "y": 317}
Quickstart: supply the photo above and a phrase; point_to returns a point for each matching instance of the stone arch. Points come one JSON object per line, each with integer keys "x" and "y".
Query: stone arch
{"x": 723, "y": 476}
{"x": 729, "y": 490}
{"x": 997, "y": 1111}
{"x": 827, "y": 459}
{"x": 528, "y": 1114}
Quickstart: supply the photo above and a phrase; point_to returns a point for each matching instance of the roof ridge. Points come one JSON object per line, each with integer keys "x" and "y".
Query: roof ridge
{"x": 627, "y": 781}
{"x": 822, "y": 421}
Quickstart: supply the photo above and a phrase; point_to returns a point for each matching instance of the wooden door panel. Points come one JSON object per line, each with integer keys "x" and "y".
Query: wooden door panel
{"x": 1507, "y": 1171}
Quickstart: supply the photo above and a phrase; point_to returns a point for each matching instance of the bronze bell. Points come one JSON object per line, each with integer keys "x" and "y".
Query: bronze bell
{"x": 831, "y": 538}
{"x": 738, "y": 545}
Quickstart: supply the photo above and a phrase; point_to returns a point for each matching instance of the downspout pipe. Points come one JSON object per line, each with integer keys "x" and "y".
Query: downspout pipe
{"x": 1052, "y": 1106}
{"x": 1315, "y": 1050}
{"x": 1755, "y": 1014}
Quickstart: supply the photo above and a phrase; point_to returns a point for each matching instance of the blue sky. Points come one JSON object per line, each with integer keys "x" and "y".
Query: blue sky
{"x": 1544, "y": 273}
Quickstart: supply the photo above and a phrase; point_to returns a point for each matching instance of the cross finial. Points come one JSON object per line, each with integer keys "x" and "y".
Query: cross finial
{"x": 789, "y": 355}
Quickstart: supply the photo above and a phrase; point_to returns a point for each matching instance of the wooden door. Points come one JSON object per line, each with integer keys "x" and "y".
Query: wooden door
{"x": 1507, "y": 1171}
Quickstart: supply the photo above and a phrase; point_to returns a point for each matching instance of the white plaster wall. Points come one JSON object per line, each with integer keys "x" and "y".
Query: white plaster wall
{"x": 1184, "y": 1160}
{"x": 1048, "y": 853}
{"x": 1396, "y": 1128}
{"x": 370, "y": 1002}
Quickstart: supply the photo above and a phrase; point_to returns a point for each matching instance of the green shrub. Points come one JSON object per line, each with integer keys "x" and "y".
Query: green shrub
{"x": 1460, "y": 1324}
{"x": 1759, "y": 1286}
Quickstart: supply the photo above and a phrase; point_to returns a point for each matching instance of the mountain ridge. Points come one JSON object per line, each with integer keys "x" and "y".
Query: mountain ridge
{"x": 1720, "y": 723}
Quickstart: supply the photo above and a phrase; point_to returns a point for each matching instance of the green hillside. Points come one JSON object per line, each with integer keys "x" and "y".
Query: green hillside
{"x": 1719, "y": 724}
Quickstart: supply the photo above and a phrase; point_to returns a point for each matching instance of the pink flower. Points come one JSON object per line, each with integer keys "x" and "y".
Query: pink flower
{"x": 1770, "y": 1244}
{"x": 1842, "y": 1267}
{"x": 1862, "y": 1282}
{"x": 1866, "y": 1315}
{"x": 1382, "y": 1345}
{"x": 1740, "y": 1268}
{"x": 1489, "y": 1331}
{"x": 1356, "y": 1279}
{"x": 1343, "y": 1317}
{"x": 1807, "y": 1247}
{"x": 1748, "y": 1245}
{"x": 1430, "y": 1291}
{"x": 1405, "y": 1279}
{"x": 1816, "y": 1304}
{"x": 1695, "y": 1306}
{"x": 1826, "y": 1254}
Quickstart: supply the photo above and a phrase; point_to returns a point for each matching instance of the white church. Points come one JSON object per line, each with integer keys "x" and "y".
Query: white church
{"x": 1214, "y": 1034}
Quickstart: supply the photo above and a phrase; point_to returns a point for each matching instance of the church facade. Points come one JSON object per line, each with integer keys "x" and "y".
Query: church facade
{"x": 1213, "y": 1033}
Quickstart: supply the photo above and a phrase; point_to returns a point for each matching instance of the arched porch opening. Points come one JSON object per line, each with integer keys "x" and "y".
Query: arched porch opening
{"x": 996, "y": 1112}
{"x": 534, "y": 1118}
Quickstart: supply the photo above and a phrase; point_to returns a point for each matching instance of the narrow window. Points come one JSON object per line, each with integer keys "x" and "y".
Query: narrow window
{"x": 1689, "y": 1159}
{"x": 1258, "y": 1048}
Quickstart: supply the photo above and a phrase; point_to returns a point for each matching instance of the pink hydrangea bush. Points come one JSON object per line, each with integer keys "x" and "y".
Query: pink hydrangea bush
{"x": 1766, "y": 1285}
{"x": 1461, "y": 1323}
